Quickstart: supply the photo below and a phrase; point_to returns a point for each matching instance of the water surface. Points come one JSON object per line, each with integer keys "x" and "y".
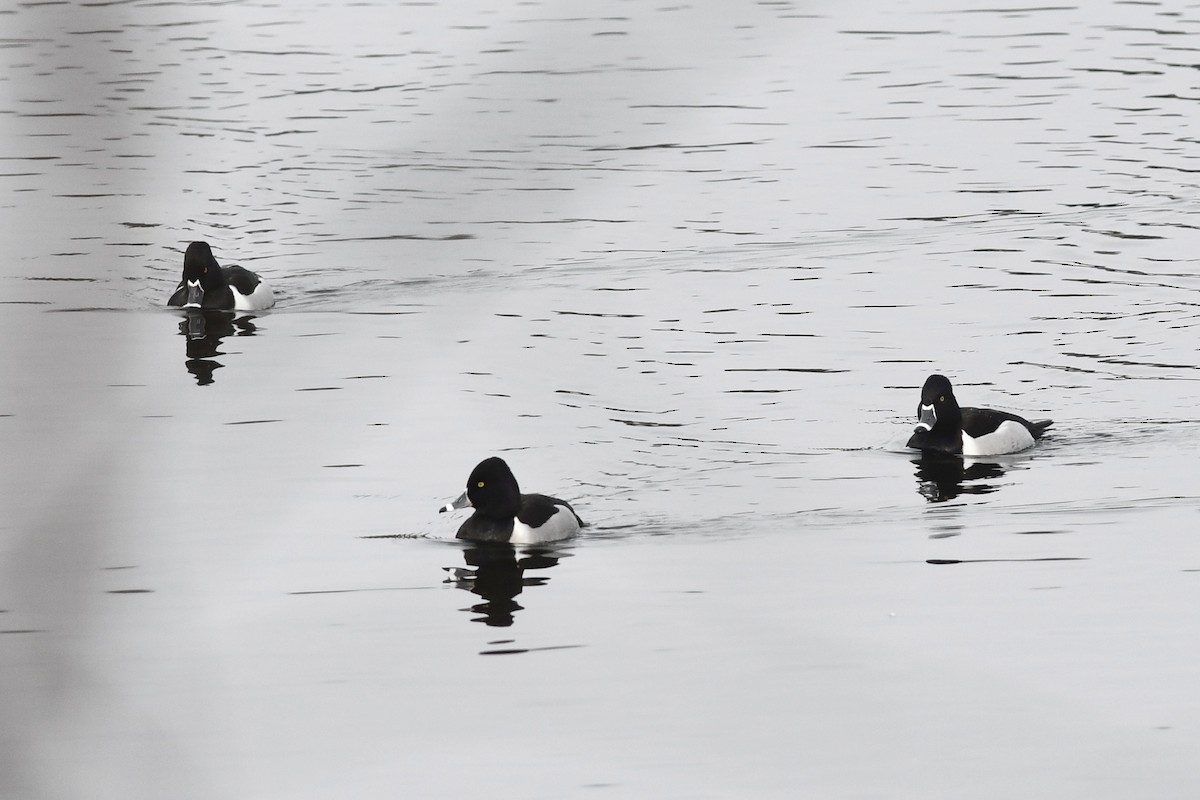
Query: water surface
{"x": 686, "y": 266}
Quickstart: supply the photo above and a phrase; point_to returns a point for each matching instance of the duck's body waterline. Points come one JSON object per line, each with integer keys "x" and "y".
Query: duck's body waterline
{"x": 208, "y": 285}
{"x": 945, "y": 427}
{"x": 503, "y": 514}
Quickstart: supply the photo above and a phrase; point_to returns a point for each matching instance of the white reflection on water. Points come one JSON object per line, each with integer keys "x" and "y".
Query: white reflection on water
{"x": 687, "y": 266}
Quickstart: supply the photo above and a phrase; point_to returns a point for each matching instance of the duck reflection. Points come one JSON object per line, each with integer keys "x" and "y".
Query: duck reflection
{"x": 497, "y": 574}
{"x": 204, "y": 329}
{"x": 942, "y": 477}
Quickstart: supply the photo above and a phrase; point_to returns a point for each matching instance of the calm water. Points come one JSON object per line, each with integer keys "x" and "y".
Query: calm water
{"x": 686, "y": 266}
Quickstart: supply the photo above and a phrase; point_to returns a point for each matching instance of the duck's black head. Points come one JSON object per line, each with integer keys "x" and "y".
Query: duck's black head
{"x": 939, "y": 419}
{"x": 201, "y": 274}
{"x": 493, "y": 490}
{"x": 938, "y": 405}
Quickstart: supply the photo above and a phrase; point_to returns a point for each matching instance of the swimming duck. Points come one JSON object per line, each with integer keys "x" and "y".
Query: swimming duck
{"x": 206, "y": 284}
{"x": 503, "y": 514}
{"x": 946, "y": 428}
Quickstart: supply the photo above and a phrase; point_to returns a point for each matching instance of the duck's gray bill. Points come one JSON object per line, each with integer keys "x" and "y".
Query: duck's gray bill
{"x": 195, "y": 295}
{"x": 462, "y": 502}
{"x": 927, "y": 420}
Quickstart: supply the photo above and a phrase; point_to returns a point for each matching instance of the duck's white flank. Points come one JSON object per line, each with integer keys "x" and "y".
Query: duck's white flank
{"x": 561, "y": 525}
{"x": 1010, "y": 437}
{"x": 261, "y": 298}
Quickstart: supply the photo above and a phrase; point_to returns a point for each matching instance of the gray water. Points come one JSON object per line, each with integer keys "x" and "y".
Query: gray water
{"x": 684, "y": 265}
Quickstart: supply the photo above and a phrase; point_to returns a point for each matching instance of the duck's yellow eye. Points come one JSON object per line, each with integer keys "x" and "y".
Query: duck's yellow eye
{"x": 942, "y": 399}
{"x": 479, "y": 485}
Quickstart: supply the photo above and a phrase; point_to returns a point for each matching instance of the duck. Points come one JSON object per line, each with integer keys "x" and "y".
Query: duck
{"x": 206, "y": 284}
{"x": 943, "y": 427}
{"x": 504, "y": 515}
